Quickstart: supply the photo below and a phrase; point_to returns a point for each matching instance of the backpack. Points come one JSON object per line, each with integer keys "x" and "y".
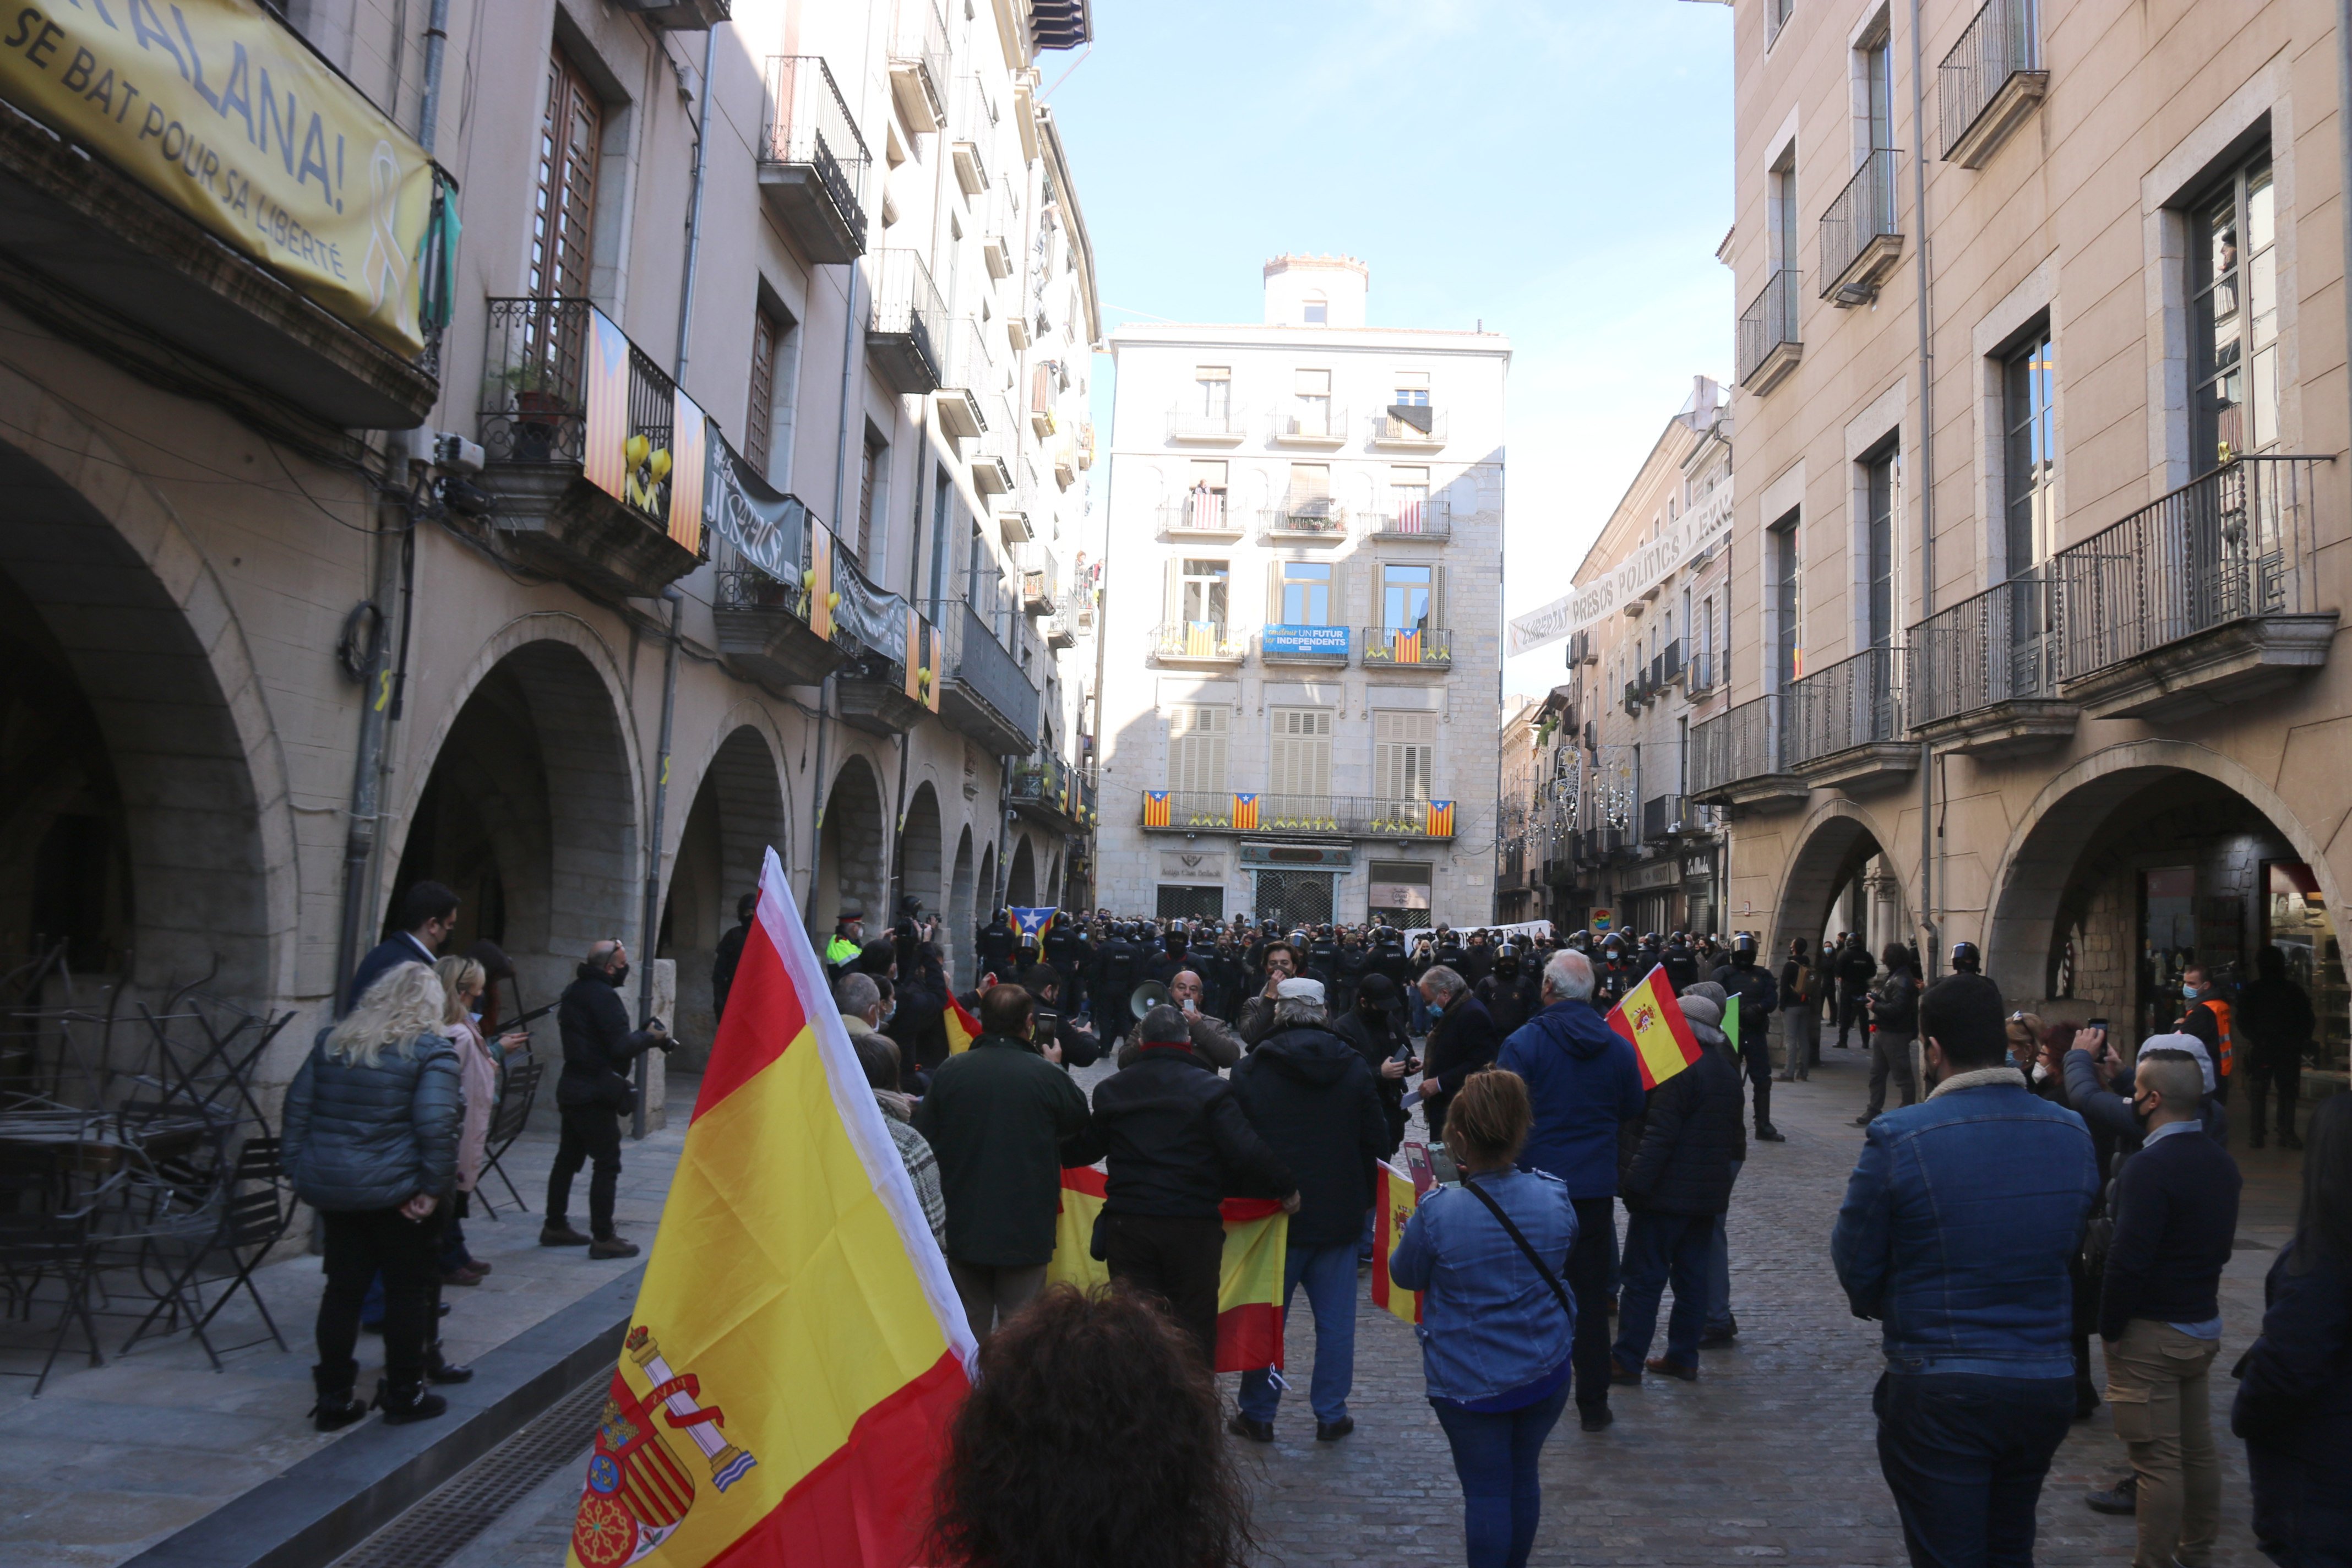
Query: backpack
{"x": 1803, "y": 988}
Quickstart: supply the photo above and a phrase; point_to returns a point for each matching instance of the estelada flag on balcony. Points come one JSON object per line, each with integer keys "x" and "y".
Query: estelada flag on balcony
{"x": 797, "y": 1348}
{"x": 1397, "y": 1200}
{"x": 1249, "y": 1274}
{"x": 1245, "y": 812}
{"x": 1155, "y": 808}
{"x": 922, "y": 661}
{"x": 1438, "y": 816}
{"x": 1404, "y": 647}
{"x": 1649, "y": 1017}
{"x": 961, "y": 1026}
{"x": 817, "y": 580}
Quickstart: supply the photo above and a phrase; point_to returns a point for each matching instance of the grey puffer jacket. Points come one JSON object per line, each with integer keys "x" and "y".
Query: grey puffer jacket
{"x": 372, "y": 1138}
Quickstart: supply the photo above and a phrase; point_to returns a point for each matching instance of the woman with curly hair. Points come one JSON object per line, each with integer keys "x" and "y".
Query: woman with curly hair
{"x": 1091, "y": 1437}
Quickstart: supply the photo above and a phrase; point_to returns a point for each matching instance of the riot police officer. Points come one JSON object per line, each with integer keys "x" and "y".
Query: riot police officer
{"x": 1759, "y": 998}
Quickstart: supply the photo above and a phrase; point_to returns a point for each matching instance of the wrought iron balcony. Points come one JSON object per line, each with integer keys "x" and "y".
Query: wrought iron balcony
{"x": 984, "y": 693}
{"x": 1408, "y": 648}
{"x": 1735, "y": 758}
{"x": 906, "y": 325}
{"x": 1426, "y": 517}
{"x": 1990, "y": 81}
{"x": 1845, "y": 722}
{"x": 1041, "y": 580}
{"x": 813, "y": 160}
{"x": 1048, "y": 789}
{"x": 1297, "y": 815}
{"x": 1198, "y": 642}
{"x": 1318, "y": 522}
{"x": 969, "y": 379}
{"x": 1219, "y": 427}
{"x": 1983, "y": 673}
{"x": 763, "y": 624}
{"x": 1670, "y": 816}
{"x": 1862, "y": 238}
{"x": 1416, "y": 426}
{"x": 1769, "y": 347}
{"x": 1326, "y": 427}
{"x": 681, "y": 16}
{"x": 1201, "y": 514}
{"x": 919, "y": 63}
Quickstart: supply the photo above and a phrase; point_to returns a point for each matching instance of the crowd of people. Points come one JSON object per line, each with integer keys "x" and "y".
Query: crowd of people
{"x": 2037, "y": 1186}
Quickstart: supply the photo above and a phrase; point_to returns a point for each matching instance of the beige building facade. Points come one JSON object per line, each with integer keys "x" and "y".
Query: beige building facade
{"x": 748, "y": 301}
{"x": 2039, "y": 549}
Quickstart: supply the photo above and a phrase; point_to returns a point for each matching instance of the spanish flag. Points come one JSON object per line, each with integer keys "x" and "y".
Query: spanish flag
{"x": 1653, "y": 1020}
{"x": 1245, "y": 812}
{"x": 1249, "y": 1285}
{"x": 1439, "y": 818}
{"x": 1398, "y": 1200}
{"x": 963, "y": 1028}
{"x": 797, "y": 1348}
{"x": 1155, "y": 808}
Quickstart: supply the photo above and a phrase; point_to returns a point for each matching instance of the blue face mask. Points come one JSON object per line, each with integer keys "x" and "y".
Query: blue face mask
{"x": 2188, "y": 990}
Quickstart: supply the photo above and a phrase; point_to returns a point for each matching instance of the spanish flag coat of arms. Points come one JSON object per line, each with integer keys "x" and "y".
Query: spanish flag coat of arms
{"x": 1649, "y": 1016}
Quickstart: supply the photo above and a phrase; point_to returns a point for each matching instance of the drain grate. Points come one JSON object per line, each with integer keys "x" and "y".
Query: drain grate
{"x": 438, "y": 1527}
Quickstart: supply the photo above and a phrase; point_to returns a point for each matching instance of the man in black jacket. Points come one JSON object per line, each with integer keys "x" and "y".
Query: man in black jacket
{"x": 1375, "y": 1029}
{"x": 598, "y": 1047}
{"x": 1680, "y": 1180}
{"x": 1309, "y": 1095}
{"x": 1462, "y": 1039}
{"x": 2274, "y": 1025}
{"x": 730, "y": 955}
{"x": 1116, "y": 967}
{"x": 995, "y": 948}
{"x": 427, "y": 913}
{"x": 1855, "y": 970}
{"x": 1080, "y": 1047}
{"x": 2160, "y": 1314}
{"x": 1743, "y": 977}
{"x": 1893, "y": 1024}
{"x": 1178, "y": 1146}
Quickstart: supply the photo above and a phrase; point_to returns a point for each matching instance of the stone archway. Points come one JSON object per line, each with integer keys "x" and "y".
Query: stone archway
{"x": 1840, "y": 878}
{"x": 1020, "y": 876}
{"x": 738, "y": 814}
{"x": 919, "y": 850}
{"x": 962, "y": 930}
{"x": 985, "y": 900}
{"x": 853, "y": 866}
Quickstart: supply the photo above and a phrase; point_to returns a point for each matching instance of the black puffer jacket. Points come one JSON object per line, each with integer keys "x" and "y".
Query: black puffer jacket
{"x": 362, "y": 1138}
{"x": 1176, "y": 1140}
{"x": 598, "y": 1043}
{"x": 1690, "y": 1136}
{"x": 1377, "y": 1040}
{"x": 1894, "y": 1005}
{"x": 1309, "y": 1094}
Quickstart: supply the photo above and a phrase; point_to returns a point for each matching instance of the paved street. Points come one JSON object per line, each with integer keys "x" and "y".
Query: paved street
{"x": 1771, "y": 1457}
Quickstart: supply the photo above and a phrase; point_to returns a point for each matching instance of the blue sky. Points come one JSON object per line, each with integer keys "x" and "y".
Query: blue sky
{"x": 1560, "y": 169}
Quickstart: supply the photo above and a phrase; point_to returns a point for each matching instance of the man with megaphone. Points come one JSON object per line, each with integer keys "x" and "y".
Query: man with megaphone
{"x": 1214, "y": 1041}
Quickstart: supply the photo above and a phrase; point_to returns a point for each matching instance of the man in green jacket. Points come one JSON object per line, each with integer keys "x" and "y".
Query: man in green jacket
{"x": 998, "y": 1116}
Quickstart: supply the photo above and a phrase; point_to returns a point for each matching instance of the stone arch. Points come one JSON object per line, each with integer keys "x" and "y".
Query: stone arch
{"x": 2059, "y": 838}
{"x": 1021, "y": 877}
{"x": 985, "y": 900}
{"x": 918, "y": 850}
{"x": 1841, "y": 847}
{"x": 178, "y": 803}
{"x": 1053, "y": 878}
{"x": 962, "y": 930}
{"x": 852, "y": 863}
{"x": 738, "y": 812}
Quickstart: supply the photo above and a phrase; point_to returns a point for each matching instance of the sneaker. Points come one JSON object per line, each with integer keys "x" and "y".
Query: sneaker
{"x": 2123, "y": 1498}
{"x": 1768, "y": 1133}
{"x": 612, "y": 1247}
{"x": 1594, "y": 1417}
{"x": 1332, "y": 1431}
{"x": 1241, "y": 1425}
{"x": 1670, "y": 1367}
{"x": 559, "y": 1233}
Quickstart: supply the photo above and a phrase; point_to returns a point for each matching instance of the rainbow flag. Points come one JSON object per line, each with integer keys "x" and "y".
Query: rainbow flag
{"x": 1439, "y": 818}
{"x": 1155, "y": 808}
{"x": 1649, "y": 1017}
{"x": 797, "y": 1348}
{"x": 1249, "y": 1285}
{"x": 1398, "y": 1199}
{"x": 1245, "y": 812}
{"x": 963, "y": 1028}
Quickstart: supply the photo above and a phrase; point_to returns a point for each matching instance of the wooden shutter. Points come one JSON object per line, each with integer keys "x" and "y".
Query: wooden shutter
{"x": 760, "y": 411}
{"x": 1405, "y": 747}
{"x": 1171, "y": 599}
{"x": 1299, "y": 757}
{"x": 1274, "y": 593}
{"x": 563, "y": 224}
{"x": 1437, "y": 597}
{"x": 1340, "y": 572}
{"x": 1197, "y": 736}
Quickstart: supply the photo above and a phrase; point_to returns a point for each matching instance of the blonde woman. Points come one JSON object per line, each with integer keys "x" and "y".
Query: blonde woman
{"x": 370, "y": 1142}
{"x": 478, "y": 1070}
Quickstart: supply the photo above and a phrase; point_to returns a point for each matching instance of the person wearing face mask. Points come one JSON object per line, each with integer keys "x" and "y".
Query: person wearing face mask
{"x": 598, "y": 1048}
{"x": 2201, "y": 995}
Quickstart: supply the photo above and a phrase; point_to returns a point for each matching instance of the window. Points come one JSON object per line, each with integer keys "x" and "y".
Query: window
{"x": 1703, "y": 661}
{"x": 873, "y": 475}
{"x": 942, "y": 503}
{"x": 1775, "y": 17}
{"x": 1412, "y": 389}
{"x": 1204, "y": 586}
{"x": 1310, "y": 495}
{"x": 1876, "y": 68}
{"x": 1409, "y": 500}
{"x": 1404, "y": 751}
{"x": 1406, "y": 596}
{"x": 1306, "y": 594}
{"x": 1316, "y": 311}
{"x": 1177, "y": 902}
{"x": 1213, "y": 390}
{"x": 2029, "y": 453}
{"x": 1783, "y": 551}
{"x": 1401, "y": 888}
{"x": 1878, "y": 485}
{"x": 1300, "y": 761}
{"x": 563, "y": 217}
{"x": 1310, "y": 409}
{"x": 1208, "y": 474}
{"x": 1781, "y": 214}
{"x": 1196, "y": 747}
{"x": 2233, "y": 318}
{"x": 759, "y": 410}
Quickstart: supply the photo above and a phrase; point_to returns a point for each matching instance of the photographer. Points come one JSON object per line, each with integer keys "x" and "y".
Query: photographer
{"x": 598, "y": 1048}
{"x": 1058, "y": 1038}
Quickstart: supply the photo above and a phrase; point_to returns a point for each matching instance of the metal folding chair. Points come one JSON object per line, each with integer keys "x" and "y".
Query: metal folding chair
{"x": 238, "y": 1224}
{"x": 507, "y": 1122}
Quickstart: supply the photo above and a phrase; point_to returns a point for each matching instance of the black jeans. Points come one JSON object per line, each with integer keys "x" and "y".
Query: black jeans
{"x": 1964, "y": 1454}
{"x": 1591, "y": 1263}
{"x": 407, "y": 1251}
{"x": 1854, "y": 1014}
{"x": 1756, "y": 1054}
{"x": 1175, "y": 1259}
{"x": 2282, "y": 1071}
{"x": 590, "y": 1131}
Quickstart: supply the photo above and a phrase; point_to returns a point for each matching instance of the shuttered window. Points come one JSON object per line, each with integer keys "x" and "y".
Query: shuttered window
{"x": 1404, "y": 753}
{"x": 760, "y": 412}
{"x": 1300, "y": 757}
{"x": 562, "y": 242}
{"x": 1197, "y": 735}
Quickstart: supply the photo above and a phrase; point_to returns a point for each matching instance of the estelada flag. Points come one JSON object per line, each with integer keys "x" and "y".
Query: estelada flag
{"x": 1249, "y": 1281}
{"x": 961, "y": 1026}
{"x": 1033, "y": 923}
{"x": 797, "y": 1348}
{"x": 1649, "y": 1015}
{"x": 1398, "y": 1199}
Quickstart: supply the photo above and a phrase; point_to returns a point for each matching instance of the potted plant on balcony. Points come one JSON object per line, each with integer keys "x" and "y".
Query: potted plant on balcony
{"x": 535, "y": 390}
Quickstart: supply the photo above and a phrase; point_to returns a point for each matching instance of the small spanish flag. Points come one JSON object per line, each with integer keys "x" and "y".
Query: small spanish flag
{"x": 1653, "y": 1020}
{"x": 1398, "y": 1199}
{"x": 1155, "y": 808}
{"x": 963, "y": 1028}
{"x": 1245, "y": 812}
{"x": 1249, "y": 1280}
{"x": 1441, "y": 819}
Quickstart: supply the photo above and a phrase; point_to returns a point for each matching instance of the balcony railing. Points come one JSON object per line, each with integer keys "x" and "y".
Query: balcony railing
{"x": 2237, "y": 543}
{"x": 918, "y": 63}
{"x": 811, "y": 159}
{"x": 1429, "y": 517}
{"x": 1209, "y": 640}
{"x": 1321, "y": 519}
{"x": 1312, "y": 425}
{"x": 1297, "y": 815}
{"x": 1768, "y": 332}
{"x": 1046, "y": 782}
{"x": 907, "y": 327}
{"x": 1744, "y": 743}
{"x": 1665, "y": 815}
{"x": 1207, "y": 425}
{"x": 979, "y": 670}
{"x": 1041, "y": 580}
{"x": 1861, "y": 235}
{"x": 1417, "y": 647}
{"x": 1413, "y": 426}
{"x": 1999, "y": 44}
{"x": 1199, "y": 513}
{"x": 1996, "y": 646}
{"x": 1856, "y": 701}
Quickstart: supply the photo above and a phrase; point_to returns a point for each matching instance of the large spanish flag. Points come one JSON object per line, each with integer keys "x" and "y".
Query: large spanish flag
{"x": 1653, "y": 1020}
{"x": 1249, "y": 1283}
{"x": 1398, "y": 1200}
{"x": 797, "y": 1348}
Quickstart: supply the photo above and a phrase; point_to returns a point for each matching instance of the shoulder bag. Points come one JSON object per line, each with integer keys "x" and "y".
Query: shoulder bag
{"x": 1472, "y": 1187}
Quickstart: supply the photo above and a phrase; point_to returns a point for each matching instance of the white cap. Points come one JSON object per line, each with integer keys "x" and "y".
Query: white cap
{"x": 2189, "y": 1043}
{"x": 1301, "y": 987}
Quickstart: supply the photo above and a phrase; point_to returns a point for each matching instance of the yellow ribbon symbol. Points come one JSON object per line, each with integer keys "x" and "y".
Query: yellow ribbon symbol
{"x": 386, "y": 266}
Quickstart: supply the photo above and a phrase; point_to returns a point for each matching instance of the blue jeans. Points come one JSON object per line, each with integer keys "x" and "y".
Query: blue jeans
{"x": 1718, "y": 1267}
{"x": 1330, "y": 1275}
{"x": 1659, "y": 1247}
{"x": 1964, "y": 1453}
{"x": 1495, "y": 1454}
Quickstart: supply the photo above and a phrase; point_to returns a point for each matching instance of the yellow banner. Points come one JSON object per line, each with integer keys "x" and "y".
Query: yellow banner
{"x": 219, "y": 109}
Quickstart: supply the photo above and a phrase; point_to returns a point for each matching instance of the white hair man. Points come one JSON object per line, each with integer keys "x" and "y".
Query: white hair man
{"x": 1462, "y": 1039}
{"x": 1584, "y": 1082}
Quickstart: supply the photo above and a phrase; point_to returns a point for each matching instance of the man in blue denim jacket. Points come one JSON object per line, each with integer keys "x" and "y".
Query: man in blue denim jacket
{"x": 1958, "y": 1225}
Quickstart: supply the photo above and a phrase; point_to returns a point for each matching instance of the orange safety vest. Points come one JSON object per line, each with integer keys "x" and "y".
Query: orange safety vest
{"x": 2221, "y": 1011}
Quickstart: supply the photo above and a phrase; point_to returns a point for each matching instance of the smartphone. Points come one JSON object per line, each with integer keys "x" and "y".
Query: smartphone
{"x": 2098, "y": 1023}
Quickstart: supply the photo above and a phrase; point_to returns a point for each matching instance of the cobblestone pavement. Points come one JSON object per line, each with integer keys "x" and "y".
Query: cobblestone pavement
{"x": 1771, "y": 1457}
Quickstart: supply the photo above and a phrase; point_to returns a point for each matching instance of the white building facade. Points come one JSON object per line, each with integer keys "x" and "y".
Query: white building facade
{"x": 1301, "y": 612}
